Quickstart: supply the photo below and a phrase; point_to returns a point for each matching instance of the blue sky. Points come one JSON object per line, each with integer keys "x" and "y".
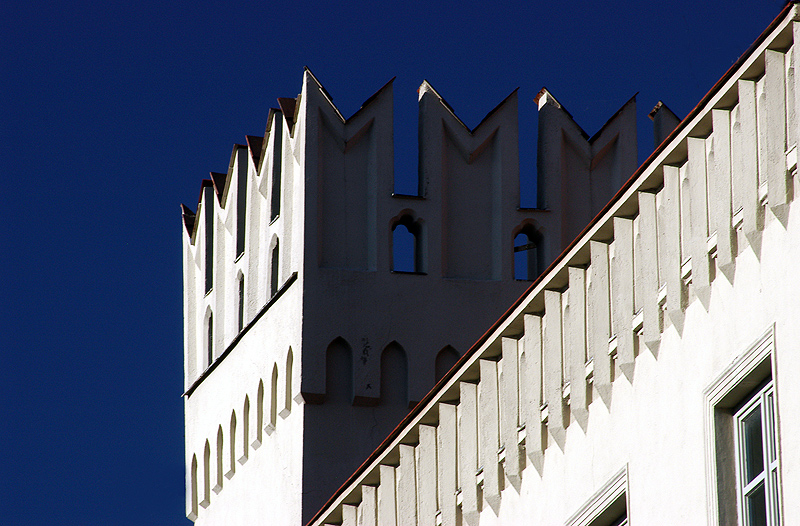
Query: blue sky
{"x": 111, "y": 114}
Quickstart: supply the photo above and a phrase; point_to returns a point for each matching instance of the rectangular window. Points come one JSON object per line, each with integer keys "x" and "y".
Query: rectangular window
{"x": 757, "y": 459}
{"x": 742, "y": 458}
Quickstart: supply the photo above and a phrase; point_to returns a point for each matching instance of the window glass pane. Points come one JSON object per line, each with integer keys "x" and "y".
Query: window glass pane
{"x": 756, "y": 507}
{"x": 752, "y": 450}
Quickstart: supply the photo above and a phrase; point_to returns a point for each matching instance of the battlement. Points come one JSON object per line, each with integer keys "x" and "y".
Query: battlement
{"x": 352, "y": 220}
{"x": 301, "y": 243}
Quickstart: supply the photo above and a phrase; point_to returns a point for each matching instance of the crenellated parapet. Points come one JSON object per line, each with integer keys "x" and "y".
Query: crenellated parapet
{"x": 301, "y": 243}
{"x": 579, "y": 174}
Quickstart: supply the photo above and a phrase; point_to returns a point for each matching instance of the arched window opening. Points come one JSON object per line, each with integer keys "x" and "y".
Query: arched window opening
{"x": 232, "y": 447}
{"x": 445, "y": 361}
{"x": 273, "y": 402}
{"x": 287, "y": 403}
{"x": 394, "y": 375}
{"x": 241, "y": 302}
{"x": 259, "y": 415}
{"x": 245, "y": 430}
{"x": 206, "y": 476}
{"x": 407, "y": 245}
{"x": 210, "y": 339}
{"x": 528, "y": 254}
{"x": 194, "y": 504}
{"x": 220, "y": 458}
{"x": 274, "y": 271}
{"x": 339, "y": 372}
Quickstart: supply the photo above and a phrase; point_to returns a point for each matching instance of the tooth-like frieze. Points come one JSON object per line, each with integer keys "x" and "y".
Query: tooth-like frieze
{"x": 774, "y": 135}
{"x": 599, "y": 319}
{"x": 576, "y": 340}
{"x": 791, "y": 97}
{"x": 509, "y": 404}
{"x": 488, "y": 432}
{"x": 368, "y": 508}
{"x": 349, "y": 515}
{"x": 447, "y": 462}
{"x": 468, "y": 452}
{"x": 719, "y": 183}
{"x": 426, "y": 476}
{"x": 647, "y": 279}
{"x": 670, "y": 215}
{"x": 531, "y": 388}
{"x": 622, "y": 294}
{"x": 745, "y": 164}
{"x": 553, "y": 366}
{"x": 387, "y": 497}
{"x": 407, "y": 486}
{"x": 698, "y": 214}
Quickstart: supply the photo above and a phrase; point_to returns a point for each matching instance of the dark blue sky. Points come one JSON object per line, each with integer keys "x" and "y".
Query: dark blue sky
{"x": 112, "y": 115}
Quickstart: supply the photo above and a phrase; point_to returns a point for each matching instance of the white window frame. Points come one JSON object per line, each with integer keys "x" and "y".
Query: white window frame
{"x": 762, "y": 401}
{"x": 731, "y": 391}
{"x": 607, "y": 505}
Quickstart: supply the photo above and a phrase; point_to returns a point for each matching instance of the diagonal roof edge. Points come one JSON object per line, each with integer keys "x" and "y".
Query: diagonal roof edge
{"x": 562, "y": 259}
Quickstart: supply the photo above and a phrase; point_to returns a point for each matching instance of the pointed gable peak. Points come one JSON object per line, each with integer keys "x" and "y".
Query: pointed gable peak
{"x": 386, "y": 87}
{"x": 545, "y": 97}
{"x": 611, "y": 119}
{"x": 661, "y": 107}
{"x": 426, "y": 88}
{"x": 188, "y": 219}
{"x": 254, "y": 143}
{"x": 310, "y": 77}
{"x": 218, "y": 181}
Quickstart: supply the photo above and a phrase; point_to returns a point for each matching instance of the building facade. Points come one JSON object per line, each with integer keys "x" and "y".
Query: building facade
{"x": 307, "y": 325}
{"x": 653, "y": 356}
{"x": 649, "y": 375}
